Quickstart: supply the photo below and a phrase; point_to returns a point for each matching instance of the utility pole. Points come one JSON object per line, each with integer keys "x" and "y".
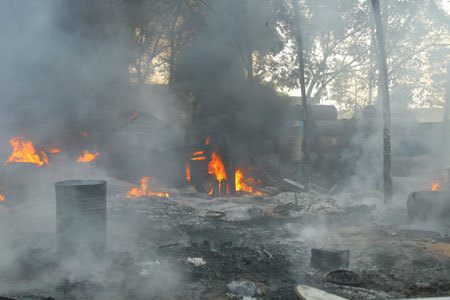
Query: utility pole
{"x": 384, "y": 82}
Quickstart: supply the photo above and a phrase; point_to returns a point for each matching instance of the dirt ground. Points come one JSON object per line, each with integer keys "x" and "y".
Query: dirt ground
{"x": 263, "y": 239}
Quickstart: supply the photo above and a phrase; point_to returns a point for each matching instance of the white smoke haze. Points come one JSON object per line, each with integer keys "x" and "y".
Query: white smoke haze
{"x": 65, "y": 71}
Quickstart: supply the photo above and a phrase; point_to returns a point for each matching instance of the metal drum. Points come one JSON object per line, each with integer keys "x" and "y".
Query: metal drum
{"x": 81, "y": 217}
{"x": 430, "y": 206}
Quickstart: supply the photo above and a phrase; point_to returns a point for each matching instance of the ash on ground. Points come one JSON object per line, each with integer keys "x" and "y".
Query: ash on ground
{"x": 194, "y": 247}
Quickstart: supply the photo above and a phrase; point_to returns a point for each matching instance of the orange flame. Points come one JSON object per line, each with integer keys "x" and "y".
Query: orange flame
{"x": 23, "y": 151}
{"x": 188, "y": 171}
{"x": 207, "y": 141}
{"x": 83, "y": 134}
{"x": 134, "y": 116}
{"x": 242, "y": 186}
{"x": 2, "y": 198}
{"x": 44, "y": 157}
{"x": 142, "y": 190}
{"x": 87, "y": 156}
{"x": 198, "y": 158}
{"x": 217, "y": 168}
{"x": 435, "y": 186}
{"x": 54, "y": 150}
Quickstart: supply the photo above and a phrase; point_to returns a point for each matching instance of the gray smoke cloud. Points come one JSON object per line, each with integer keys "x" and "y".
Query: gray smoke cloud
{"x": 65, "y": 71}
{"x": 242, "y": 117}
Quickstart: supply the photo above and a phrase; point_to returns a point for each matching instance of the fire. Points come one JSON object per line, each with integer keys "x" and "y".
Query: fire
{"x": 54, "y": 150}
{"x": 217, "y": 168}
{"x": 83, "y": 134}
{"x": 188, "y": 171}
{"x": 196, "y": 157}
{"x": 207, "y": 141}
{"x": 242, "y": 186}
{"x": 87, "y": 156}
{"x": 2, "y": 198}
{"x": 199, "y": 158}
{"x": 23, "y": 151}
{"x": 435, "y": 186}
{"x": 134, "y": 116}
{"x": 44, "y": 157}
{"x": 142, "y": 190}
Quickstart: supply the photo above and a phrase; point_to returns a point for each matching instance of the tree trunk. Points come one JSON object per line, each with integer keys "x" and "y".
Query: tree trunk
{"x": 371, "y": 64}
{"x": 172, "y": 48}
{"x": 446, "y": 120}
{"x": 306, "y": 166}
{"x": 387, "y": 179}
{"x": 249, "y": 64}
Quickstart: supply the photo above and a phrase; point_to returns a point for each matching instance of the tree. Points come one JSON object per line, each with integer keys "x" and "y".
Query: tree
{"x": 159, "y": 28}
{"x": 387, "y": 179}
{"x": 333, "y": 43}
{"x": 338, "y": 37}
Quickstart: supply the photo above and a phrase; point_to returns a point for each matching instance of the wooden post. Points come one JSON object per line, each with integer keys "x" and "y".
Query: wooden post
{"x": 387, "y": 179}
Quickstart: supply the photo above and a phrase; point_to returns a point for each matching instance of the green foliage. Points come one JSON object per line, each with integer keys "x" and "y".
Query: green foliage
{"x": 339, "y": 51}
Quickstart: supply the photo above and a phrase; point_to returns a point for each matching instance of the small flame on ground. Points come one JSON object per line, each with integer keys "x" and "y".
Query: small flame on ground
{"x": 2, "y": 198}
{"x": 207, "y": 141}
{"x": 142, "y": 190}
{"x": 198, "y": 153}
{"x": 435, "y": 186}
{"x": 54, "y": 150}
{"x": 134, "y": 116}
{"x": 188, "y": 171}
{"x": 217, "y": 168}
{"x": 23, "y": 151}
{"x": 86, "y": 156}
{"x": 83, "y": 134}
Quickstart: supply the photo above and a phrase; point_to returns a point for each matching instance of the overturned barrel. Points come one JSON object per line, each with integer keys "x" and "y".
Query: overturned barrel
{"x": 81, "y": 217}
{"x": 429, "y": 206}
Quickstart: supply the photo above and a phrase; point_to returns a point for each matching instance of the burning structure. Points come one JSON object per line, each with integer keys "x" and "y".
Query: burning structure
{"x": 220, "y": 183}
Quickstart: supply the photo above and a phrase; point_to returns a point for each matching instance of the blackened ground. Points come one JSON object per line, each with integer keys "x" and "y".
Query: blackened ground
{"x": 150, "y": 240}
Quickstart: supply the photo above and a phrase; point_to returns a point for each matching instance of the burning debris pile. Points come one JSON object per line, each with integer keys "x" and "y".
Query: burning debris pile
{"x": 23, "y": 151}
{"x": 143, "y": 191}
{"x": 220, "y": 180}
